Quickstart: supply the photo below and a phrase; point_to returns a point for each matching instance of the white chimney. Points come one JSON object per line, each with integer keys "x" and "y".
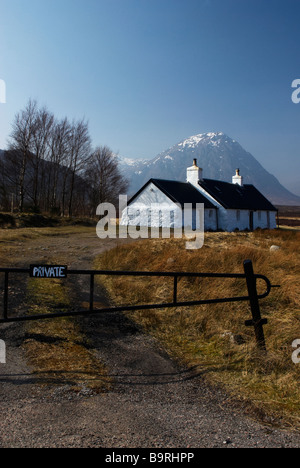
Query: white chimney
{"x": 237, "y": 178}
{"x": 194, "y": 174}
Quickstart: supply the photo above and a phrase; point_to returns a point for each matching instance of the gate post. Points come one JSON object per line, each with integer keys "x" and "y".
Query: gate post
{"x": 5, "y": 302}
{"x": 257, "y": 322}
{"x": 92, "y": 287}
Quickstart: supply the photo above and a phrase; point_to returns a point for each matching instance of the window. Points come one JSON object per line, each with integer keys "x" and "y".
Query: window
{"x": 238, "y": 215}
{"x": 259, "y": 215}
{"x": 211, "y": 213}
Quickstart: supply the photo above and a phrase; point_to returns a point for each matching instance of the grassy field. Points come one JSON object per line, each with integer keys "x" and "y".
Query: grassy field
{"x": 214, "y": 338}
{"x": 57, "y": 349}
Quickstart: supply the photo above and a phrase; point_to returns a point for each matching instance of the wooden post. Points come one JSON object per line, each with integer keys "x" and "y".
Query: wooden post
{"x": 257, "y": 322}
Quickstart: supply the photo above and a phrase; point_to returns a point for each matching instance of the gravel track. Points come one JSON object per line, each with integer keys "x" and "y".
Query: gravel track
{"x": 152, "y": 404}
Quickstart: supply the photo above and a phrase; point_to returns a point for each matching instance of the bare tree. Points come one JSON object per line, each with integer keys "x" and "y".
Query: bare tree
{"x": 49, "y": 165}
{"x": 41, "y": 135}
{"x": 104, "y": 178}
{"x": 80, "y": 149}
{"x": 10, "y": 173}
{"x": 59, "y": 145}
{"x": 21, "y": 141}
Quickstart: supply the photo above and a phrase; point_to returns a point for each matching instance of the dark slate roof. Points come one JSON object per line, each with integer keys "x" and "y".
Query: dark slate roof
{"x": 178, "y": 192}
{"x": 233, "y": 196}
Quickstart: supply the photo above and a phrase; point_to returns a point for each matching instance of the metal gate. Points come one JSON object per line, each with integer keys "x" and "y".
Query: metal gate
{"x": 48, "y": 271}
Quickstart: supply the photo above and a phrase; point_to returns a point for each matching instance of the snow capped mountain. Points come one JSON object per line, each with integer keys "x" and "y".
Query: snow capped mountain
{"x": 213, "y": 139}
{"x": 218, "y": 155}
{"x": 129, "y": 162}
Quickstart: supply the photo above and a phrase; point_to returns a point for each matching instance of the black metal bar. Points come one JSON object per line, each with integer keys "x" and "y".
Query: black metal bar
{"x": 173, "y": 275}
{"x": 92, "y": 287}
{"x": 175, "y": 289}
{"x": 129, "y": 308}
{"x": 250, "y": 323}
{"x": 86, "y": 312}
{"x": 15, "y": 270}
{"x": 254, "y": 303}
{"x": 156, "y": 273}
{"x": 5, "y": 304}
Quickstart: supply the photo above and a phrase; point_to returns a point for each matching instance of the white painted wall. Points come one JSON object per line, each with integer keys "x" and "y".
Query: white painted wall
{"x": 210, "y": 220}
{"x": 237, "y": 219}
{"x": 165, "y": 213}
{"x": 273, "y": 220}
{"x": 139, "y": 213}
{"x": 230, "y": 220}
{"x": 265, "y": 219}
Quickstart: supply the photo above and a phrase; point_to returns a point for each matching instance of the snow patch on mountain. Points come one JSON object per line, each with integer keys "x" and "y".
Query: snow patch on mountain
{"x": 218, "y": 155}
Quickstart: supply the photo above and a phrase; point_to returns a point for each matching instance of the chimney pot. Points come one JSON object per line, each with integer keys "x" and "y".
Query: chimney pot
{"x": 237, "y": 179}
{"x": 194, "y": 174}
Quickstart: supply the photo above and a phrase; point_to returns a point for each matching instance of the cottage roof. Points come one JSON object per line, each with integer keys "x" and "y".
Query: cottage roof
{"x": 178, "y": 192}
{"x": 234, "y": 196}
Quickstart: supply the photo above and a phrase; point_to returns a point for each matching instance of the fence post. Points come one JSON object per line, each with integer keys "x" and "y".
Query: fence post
{"x": 257, "y": 322}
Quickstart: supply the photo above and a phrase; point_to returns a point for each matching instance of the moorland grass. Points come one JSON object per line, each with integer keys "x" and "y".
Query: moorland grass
{"x": 214, "y": 337}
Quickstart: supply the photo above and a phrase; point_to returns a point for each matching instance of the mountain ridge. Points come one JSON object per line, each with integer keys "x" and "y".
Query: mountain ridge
{"x": 218, "y": 155}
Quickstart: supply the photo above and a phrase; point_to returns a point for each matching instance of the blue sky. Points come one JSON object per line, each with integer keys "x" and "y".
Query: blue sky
{"x": 149, "y": 73}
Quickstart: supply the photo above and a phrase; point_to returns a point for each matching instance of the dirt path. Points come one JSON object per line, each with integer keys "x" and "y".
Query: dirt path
{"x": 152, "y": 404}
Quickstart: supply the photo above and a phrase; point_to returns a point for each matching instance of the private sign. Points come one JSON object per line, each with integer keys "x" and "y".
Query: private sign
{"x": 48, "y": 271}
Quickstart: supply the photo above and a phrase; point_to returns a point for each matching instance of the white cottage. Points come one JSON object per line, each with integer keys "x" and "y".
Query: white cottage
{"x": 227, "y": 206}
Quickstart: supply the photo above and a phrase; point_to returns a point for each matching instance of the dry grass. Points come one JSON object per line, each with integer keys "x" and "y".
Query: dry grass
{"x": 200, "y": 336}
{"x": 56, "y": 349}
